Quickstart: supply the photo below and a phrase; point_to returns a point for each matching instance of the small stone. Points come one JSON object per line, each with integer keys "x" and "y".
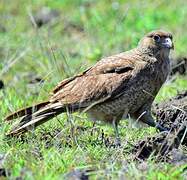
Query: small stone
{"x": 45, "y": 15}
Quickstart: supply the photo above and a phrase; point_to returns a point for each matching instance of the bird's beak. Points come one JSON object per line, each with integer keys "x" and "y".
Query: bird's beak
{"x": 168, "y": 43}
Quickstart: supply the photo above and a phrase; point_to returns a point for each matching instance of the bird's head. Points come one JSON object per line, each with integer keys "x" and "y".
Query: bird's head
{"x": 157, "y": 41}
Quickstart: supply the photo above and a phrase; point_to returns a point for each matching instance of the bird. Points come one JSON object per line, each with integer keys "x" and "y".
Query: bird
{"x": 115, "y": 88}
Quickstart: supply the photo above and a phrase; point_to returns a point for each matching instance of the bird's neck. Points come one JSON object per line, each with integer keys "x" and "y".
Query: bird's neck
{"x": 155, "y": 52}
{"x": 163, "y": 53}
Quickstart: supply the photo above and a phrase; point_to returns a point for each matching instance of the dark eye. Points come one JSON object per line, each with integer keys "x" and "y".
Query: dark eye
{"x": 156, "y": 38}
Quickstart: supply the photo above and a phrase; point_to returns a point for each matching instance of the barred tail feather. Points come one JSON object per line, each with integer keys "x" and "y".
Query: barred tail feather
{"x": 26, "y": 111}
{"x": 30, "y": 121}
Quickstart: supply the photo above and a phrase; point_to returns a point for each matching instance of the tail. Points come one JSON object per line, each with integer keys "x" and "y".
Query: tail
{"x": 26, "y": 111}
{"x": 35, "y": 116}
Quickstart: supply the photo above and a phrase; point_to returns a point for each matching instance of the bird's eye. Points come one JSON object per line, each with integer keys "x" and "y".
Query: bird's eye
{"x": 156, "y": 38}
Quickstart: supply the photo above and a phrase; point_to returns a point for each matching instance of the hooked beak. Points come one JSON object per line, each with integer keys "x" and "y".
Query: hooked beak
{"x": 168, "y": 43}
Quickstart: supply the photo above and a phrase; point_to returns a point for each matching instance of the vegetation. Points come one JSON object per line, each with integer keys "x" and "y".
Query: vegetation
{"x": 85, "y": 31}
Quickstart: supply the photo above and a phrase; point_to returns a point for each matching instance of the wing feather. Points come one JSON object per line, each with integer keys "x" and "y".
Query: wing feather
{"x": 99, "y": 83}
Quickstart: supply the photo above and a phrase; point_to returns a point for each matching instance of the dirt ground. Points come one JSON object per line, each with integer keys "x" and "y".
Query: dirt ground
{"x": 167, "y": 146}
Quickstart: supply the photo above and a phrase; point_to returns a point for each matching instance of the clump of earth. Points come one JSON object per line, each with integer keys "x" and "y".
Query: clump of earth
{"x": 167, "y": 146}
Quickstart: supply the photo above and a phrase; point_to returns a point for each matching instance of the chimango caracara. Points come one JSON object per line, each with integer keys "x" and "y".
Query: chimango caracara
{"x": 116, "y": 86}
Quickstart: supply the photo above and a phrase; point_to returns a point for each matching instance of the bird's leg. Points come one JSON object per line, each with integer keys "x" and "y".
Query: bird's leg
{"x": 93, "y": 127}
{"x": 117, "y": 138}
{"x": 149, "y": 120}
{"x": 144, "y": 115}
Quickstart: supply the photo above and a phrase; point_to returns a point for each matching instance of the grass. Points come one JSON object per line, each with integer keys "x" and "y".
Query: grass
{"x": 85, "y": 31}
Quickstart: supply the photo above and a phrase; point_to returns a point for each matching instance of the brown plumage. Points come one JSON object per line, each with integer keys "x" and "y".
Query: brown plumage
{"x": 116, "y": 86}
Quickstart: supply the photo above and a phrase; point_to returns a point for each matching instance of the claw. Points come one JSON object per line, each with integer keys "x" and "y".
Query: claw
{"x": 161, "y": 128}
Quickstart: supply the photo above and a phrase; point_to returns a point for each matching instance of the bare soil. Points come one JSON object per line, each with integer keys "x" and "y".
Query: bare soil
{"x": 167, "y": 146}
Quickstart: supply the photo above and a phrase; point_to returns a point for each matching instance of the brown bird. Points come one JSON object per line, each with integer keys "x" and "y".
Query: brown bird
{"x": 116, "y": 86}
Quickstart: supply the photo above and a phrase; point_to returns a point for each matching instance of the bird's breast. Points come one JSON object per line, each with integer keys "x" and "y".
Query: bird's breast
{"x": 160, "y": 72}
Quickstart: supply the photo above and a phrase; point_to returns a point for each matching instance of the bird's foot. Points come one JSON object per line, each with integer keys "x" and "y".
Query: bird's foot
{"x": 161, "y": 128}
